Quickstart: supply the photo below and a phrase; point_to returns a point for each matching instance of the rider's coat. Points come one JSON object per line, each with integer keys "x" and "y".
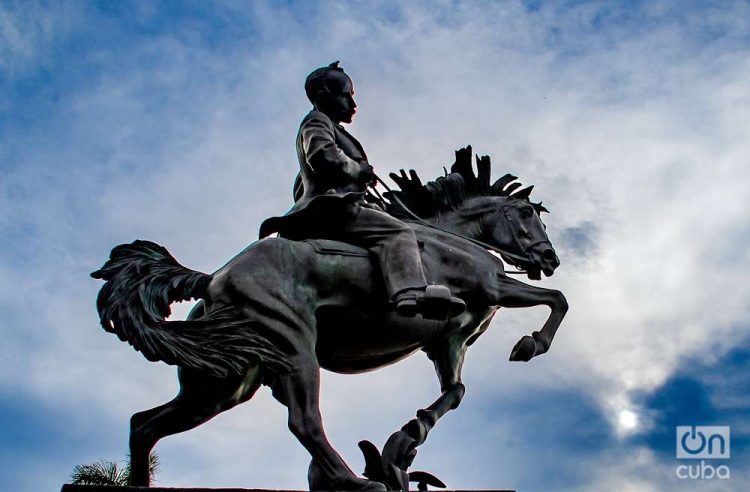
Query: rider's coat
{"x": 330, "y": 194}
{"x": 332, "y": 175}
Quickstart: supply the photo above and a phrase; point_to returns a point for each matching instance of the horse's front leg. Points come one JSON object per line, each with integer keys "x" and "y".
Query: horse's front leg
{"x": 399, "y": 451}
{"x": 448, "y": 358}
{"x": 514, "y": 294}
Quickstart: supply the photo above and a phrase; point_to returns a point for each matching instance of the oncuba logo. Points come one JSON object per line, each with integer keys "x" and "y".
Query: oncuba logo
{"x": 702, "y": 442}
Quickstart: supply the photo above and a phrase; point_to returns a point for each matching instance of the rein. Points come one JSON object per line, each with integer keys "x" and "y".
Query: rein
{"x": 484, "y": 245}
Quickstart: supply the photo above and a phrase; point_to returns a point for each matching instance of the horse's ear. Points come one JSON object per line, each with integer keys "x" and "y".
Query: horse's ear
{"x": 511, "y": 188}
{"x": 497, "y": 187}
{"x": 525, "y": 193}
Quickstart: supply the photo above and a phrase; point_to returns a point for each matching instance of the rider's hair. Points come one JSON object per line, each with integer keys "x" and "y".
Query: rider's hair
{"x": 318, "y": 79}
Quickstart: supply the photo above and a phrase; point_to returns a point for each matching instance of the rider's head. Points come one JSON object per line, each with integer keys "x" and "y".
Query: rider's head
{"x": 331, "y": 92}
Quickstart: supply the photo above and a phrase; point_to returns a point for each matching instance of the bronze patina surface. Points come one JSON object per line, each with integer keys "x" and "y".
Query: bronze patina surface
{"x": 355, "y": 282}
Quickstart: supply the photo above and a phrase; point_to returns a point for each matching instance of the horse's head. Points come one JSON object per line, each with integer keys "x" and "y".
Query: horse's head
{"x": 515, "y": 227}
{"x": 471, "y": 205}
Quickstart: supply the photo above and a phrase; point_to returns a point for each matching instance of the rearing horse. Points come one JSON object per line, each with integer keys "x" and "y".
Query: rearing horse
{"x": 281, "y": 310}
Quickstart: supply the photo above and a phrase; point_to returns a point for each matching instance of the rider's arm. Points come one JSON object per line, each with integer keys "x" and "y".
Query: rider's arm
{"x": 322, "y": 153}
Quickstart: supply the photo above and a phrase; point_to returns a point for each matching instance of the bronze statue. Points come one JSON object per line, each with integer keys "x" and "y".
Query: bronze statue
{"x": 286, "y": 307}
{"x": 330, "y": 190}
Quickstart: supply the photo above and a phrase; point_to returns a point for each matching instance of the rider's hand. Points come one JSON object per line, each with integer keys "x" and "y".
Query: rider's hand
{"x": 367, "y": 174}
{"x": 373, "y": 206}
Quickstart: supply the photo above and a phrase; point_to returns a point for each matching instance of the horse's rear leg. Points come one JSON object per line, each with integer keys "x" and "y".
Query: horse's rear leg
{"x": 299, "y": 392}
{"x": 201, "y": 398}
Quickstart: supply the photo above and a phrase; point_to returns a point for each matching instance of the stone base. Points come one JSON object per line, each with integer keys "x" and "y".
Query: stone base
{"x": 106, "y": 488}
{"x": 109, "y": 488}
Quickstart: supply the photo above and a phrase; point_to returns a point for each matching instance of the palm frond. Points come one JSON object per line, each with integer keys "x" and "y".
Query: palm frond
{"x": 105, "y": 472}
{"x": 100, "y": 473}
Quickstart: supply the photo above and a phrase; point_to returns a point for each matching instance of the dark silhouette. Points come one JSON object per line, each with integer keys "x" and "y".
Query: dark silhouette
{"x": 329, "y": 200}
{"x": 282, "y": 309}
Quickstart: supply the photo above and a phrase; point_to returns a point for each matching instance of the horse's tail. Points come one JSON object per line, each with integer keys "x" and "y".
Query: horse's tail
{"x": 142, "y": 280}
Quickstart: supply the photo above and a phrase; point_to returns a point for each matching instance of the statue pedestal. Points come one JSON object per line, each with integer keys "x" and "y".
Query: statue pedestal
{"x": 106, "y": 488}
{"x": 109, "y": 488}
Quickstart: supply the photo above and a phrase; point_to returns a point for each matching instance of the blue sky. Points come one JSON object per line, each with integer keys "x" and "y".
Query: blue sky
{"x": 175, "y": 122}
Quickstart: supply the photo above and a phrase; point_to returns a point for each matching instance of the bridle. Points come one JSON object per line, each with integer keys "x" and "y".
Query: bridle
{"x": 503, "y": 212}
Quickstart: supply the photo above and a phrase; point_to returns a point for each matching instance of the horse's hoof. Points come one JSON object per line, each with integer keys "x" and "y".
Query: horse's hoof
{"x": 524, "y": 350}
{"x": 139, "y": 480}
{"x": 374, "y": 486}
{"x": 353, "y": 484}
{"x": 318, "y": 480}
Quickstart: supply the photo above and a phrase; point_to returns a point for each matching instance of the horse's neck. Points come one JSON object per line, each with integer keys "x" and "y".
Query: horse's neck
{"x": 469, "y": 221}
{"x": 446, "y": 246}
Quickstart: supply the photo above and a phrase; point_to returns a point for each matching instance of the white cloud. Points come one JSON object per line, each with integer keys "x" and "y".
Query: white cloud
{"x": 28, "y": 32}
{"x": 640, "y": 134}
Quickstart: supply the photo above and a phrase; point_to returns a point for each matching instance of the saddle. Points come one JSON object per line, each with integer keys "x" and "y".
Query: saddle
{"x": 435, "y": 302}
{"x": 331, "y": 247}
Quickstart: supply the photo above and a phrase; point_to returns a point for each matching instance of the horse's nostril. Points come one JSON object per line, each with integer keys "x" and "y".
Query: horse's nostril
{"x": 549, "y": 255}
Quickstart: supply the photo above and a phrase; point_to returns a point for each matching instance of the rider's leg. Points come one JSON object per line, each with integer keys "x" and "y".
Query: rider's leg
{"x": 201, "y": 398}
{"x": 395, "y": 245}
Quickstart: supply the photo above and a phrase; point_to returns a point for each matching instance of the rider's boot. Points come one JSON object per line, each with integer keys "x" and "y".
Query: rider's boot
{"x": 432, "y": 302}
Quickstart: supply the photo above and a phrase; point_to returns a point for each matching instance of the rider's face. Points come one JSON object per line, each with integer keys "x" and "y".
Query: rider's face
{"x": 338, "y": 100}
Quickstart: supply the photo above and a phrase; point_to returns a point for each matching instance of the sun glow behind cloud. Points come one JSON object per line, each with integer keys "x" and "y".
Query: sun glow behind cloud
{"x": 177, "y": 125}
{"x": 627, "y": 420}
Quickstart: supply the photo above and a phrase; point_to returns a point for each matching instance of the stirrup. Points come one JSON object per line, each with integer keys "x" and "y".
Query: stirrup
{"x": 435, "y": 302}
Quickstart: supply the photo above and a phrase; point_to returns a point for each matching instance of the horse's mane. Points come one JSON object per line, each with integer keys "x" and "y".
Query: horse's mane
{"x": 449, "y": 192}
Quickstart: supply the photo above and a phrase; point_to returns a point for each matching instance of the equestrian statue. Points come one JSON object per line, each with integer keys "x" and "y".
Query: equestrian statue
{"x": 349, "y": 280}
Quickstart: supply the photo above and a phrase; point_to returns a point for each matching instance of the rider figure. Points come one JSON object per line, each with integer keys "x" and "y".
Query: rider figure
{"x": 329, "y": 200}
